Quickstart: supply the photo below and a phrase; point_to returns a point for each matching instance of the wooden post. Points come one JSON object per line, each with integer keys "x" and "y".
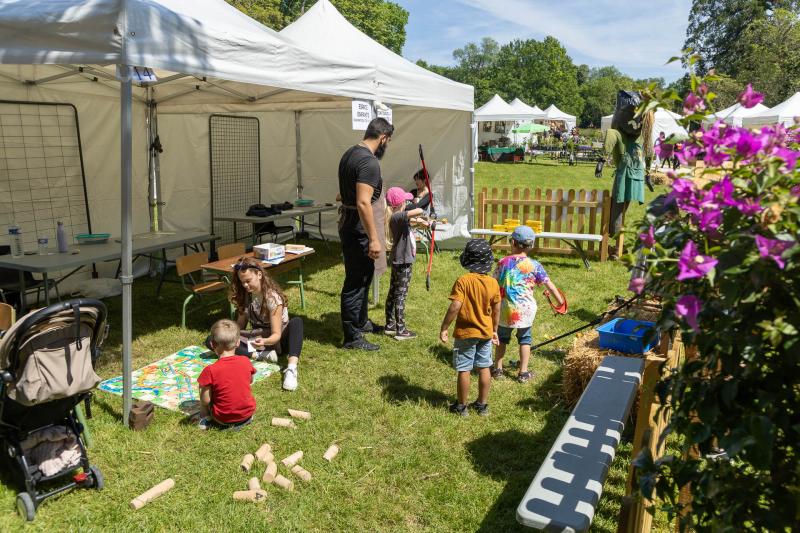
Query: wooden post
{"x": 605, "y": 225}
{"x": 482, "y": 209}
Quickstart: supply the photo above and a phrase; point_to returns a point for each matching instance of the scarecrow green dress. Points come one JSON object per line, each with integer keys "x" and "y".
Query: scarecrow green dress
{"x": 627, "y": 154}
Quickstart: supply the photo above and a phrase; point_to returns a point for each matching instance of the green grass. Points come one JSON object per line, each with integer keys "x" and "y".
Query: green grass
{"x": 406, "y": 464}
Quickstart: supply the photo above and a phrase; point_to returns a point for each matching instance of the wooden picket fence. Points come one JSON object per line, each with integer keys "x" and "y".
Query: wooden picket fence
{"x": 560, "y": 211}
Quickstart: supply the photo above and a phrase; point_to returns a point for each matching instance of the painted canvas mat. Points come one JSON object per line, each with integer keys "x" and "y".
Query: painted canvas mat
{"x": 172, "y": 382}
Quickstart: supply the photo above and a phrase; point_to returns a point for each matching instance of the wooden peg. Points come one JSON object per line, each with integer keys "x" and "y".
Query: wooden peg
{"x": 294, "y": 413}
{"x": 301, "y": 472}
{"x": 152, "y": 493}
{"x": 250, "y": 495}
{"x": 270, "y": 473}
{"x": 293, "y": 459}
{"x": 247, "y": 462}
{"x": 283, "y": 422}
{"x": 253, "y": 484}
{"x": 261, "y": 452}
{"x": 283, "y": 483}
{"x": 331, "y": 452}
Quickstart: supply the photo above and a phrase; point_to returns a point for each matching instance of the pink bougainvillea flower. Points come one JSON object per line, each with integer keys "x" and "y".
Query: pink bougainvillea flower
{"x": 709, "y": 220}
{"x": 749, "y": 206}
{"x": 747, "y": 145}
{"x": 788, "y": 155}
{"x": 636, "y": 286}
{"x": 773, "y": 248}
{"x": 692, "y": 264}
{"x": 688, "y": 153}
{"x": 648, "y": 238}
{"x": 750, "y": 98}
{"x": 693, "y": 103}
{"x": 715, "y": 158}
{"x": 796, "y": 191}
{"x": 688, "y": 307}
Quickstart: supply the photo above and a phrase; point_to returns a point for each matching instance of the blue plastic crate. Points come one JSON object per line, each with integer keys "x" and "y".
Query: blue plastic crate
{"x": 626, "y": 335}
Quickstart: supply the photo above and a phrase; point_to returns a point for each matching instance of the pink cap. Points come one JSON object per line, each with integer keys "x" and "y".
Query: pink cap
{"x": 396, "y": 196}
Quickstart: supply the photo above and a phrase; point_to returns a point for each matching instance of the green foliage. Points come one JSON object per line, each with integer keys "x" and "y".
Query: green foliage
{"x": 600, "y": 93}
{"x": 742, "y": 391}
{"x": 382, "y": 20}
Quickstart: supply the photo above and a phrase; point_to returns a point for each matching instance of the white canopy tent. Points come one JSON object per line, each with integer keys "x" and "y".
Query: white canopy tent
{"x": 532, "y": 112}
{"x": 211, "y": 58}
{"x": 497, "y": 109}
{"x": 665, "y": 121}
{"x": 554, "y": 113}
{"x": 735, "y": 114}
{"x": 783, "y": 113}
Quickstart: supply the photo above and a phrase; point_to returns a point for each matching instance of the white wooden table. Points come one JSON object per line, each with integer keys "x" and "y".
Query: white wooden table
{"x": 573, "y": 240}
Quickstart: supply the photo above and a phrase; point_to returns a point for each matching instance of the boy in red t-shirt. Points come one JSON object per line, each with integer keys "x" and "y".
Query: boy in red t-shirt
{"x": 225, "y": 395}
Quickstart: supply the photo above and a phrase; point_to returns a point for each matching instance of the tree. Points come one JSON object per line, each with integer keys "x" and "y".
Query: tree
{"x": 382, "y": 20}
{"x": 727, "y": 90}
{"x": 770, "y": 56}
{"x": 599, "y": 93}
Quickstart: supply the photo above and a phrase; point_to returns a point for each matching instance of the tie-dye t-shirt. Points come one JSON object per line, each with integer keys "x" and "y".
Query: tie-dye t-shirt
{"x": 518, "y": 277}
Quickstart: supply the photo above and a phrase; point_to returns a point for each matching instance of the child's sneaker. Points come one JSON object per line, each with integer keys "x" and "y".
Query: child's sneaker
{"x": 459, "y": 409}
{"x": 524, "y": 377}
{"x": 204, "y": 423}
{"x": 481, "y": 408}
{"x": 390, "y": 330}
{"x": 405, "y": 335}
{"x": 290, "y": 378}
{"x": 497, "y": 373}
{"x": 267, "y": 356}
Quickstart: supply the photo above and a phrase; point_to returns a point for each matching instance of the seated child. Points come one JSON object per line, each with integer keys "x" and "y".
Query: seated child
{"x": 225, "y": 395}
{"x": 475, "y": 307}
{"x": 518, "y": 275}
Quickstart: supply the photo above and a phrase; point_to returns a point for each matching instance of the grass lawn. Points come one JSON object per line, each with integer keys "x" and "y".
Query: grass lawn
{"x": 406, "y": 464}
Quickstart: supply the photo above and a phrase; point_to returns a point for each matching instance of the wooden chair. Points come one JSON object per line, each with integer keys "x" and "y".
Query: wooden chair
{"x": 192, "y": 264}
{"x": 8, "y": 315}
{"x": 231, "y": 250}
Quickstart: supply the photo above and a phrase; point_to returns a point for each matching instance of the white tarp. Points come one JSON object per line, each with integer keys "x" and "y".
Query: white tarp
{"x": 497, "y": 109}
{"x": 665, "y": 121}
{"x": 735, "y": 114}
{"x": 554, "y": 113}
{"x": 532, "y": 112}
{"x": 786, "y": 113}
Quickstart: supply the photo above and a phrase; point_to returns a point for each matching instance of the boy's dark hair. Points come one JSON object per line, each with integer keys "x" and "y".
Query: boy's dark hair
{"x": 379, "y": 126}
{"x": 419, "y": 175}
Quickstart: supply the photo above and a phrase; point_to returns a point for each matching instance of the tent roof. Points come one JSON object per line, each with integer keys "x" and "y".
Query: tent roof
{"x": 783, "y": 113}
{"x": 322, "y": 29}
{"x": 497, "y": 109}
{"x": 665, "y": 120}
{"x": 522, "y": 107}
{"x": 736, "y": 111}
{"x": 554, "y": 113}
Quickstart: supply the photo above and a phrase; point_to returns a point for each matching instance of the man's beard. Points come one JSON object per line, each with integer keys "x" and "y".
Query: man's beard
{"x": 380, "y": 151}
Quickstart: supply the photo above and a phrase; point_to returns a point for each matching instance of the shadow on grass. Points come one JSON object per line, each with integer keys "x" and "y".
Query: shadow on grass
{"x": 584, "y": 314}
{"x": 327, "y": 329}
{"x": 397, "y": 390}
{"x": 442, "y": 352}
{"x": 97, "y": 402}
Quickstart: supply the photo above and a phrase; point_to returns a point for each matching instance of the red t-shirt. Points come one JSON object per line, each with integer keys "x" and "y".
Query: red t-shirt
{"x": 229, "y": 379}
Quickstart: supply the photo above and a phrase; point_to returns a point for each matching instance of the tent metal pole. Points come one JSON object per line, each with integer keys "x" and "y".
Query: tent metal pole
{"x": 298, "y": 150}
{"x": 473, "y": 143}
{"x": 126, "y": 175}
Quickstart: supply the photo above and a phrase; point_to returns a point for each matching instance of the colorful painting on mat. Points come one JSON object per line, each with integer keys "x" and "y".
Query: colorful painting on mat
{"x": 172, "y": 382}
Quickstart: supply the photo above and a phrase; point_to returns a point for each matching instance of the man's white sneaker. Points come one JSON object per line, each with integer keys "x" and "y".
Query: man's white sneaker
{"x": 290, "y": 379}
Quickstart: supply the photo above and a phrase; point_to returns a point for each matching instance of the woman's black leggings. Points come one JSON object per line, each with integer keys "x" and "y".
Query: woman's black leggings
{"x": 291, "y": 340}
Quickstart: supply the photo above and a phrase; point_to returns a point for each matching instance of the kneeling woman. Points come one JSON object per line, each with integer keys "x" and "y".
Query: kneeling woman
{"x": 260, "y": 302}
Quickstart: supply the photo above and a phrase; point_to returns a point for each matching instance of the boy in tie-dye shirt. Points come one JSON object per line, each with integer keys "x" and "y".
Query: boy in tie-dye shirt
{"x": 518, "y": 275}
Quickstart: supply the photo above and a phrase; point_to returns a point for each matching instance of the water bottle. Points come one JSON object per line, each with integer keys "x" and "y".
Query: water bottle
{"x": 61, "y": 238}
{"x": 42, "y": 242}
{"x": 15, "y": 240}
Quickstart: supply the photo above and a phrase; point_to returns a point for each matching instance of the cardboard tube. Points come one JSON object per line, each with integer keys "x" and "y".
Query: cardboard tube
{"x": 261, "y": 452}
{"x": 270, "y": 473}
{"x": 266, "y": 457}
{"x": 294, "y": 413}
{"x": 330, "y": 453}
{"x": 283, "y": 483}
{"x": 282, "y": 422}
{"x": 151, "y": 494}
{"x": 250, "y": 495}
{"x": 301, "y": 472}
{"x": 247, "y": 462}
{"x": 253, "y": 484}
{"x": 293, "y": 459}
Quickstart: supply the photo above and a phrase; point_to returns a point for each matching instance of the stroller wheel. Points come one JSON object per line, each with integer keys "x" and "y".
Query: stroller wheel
{"x": 98, "y": 482}
{"x": 25, "y": 506}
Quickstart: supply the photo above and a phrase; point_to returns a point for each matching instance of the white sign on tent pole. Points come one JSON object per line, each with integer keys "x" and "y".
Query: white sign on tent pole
{"x": 385, "y": 112}
{"x": 362, "y": 114}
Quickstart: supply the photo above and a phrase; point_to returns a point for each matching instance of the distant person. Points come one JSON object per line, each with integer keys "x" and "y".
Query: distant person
{"x": 664, "y": 150}
{"x": 421, "y": 196}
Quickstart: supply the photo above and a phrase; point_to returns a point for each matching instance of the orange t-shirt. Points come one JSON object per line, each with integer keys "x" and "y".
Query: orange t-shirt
{"x": 478, "y": 293}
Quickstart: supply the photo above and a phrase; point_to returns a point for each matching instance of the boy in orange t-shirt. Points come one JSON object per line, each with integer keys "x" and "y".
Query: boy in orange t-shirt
{"x": 475, "y": 307}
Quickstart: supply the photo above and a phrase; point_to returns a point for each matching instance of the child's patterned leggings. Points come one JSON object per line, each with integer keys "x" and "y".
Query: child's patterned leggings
{"x": 396, "y": 299}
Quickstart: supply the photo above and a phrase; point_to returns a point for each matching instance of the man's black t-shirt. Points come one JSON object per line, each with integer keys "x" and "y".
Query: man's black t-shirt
{"x": 358, "y": 165}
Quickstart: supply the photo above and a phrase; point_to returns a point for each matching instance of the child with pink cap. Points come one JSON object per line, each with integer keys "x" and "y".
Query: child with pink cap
{"x": 403, "y": 253}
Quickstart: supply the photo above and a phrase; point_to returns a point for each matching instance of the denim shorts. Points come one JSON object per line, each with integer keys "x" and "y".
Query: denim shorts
{"x": 523, "y": 335}
{"x": 471, "y": 353}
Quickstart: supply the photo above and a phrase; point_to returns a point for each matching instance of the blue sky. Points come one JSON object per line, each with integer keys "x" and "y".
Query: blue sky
{"x": 636, "y": 36}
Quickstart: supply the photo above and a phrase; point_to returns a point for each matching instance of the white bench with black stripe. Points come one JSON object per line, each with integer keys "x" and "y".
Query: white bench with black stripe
{"x": 571, "y": 239}
{"x": 564, "y": 494}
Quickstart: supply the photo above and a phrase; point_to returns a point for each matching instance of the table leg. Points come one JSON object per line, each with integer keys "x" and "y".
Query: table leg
{"x": 22, "y": 307}
{"x": 576, "y": 245}
{"x": 302, "y": 287}
{"x": 234, "y": 231}
{"x": 46, "y": 289}
{"x": 163, "y": 272}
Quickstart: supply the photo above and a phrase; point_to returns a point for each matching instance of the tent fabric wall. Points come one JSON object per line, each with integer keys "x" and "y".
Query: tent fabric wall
{"x": 735, "y": 114}
{"x": 665, "y": 121}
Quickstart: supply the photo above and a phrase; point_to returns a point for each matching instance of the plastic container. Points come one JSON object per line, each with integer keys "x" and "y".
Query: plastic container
{"x": 92, "y": 238}
{"x": 303, "y": 202}
{"x": 42, "y": 243}
{"x": 626, "y": 335}
{"x": 61, "y": 238}
{"x": 15, "y": 240}
{"x": 499, "y": 227}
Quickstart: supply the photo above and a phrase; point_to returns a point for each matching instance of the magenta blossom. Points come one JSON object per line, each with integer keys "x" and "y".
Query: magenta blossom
{"x": 747, "y": 145}
{"x": 694, "y": 265}
{"x": 789, "y": 157}
{"x": 773, "y": 248}
{"x": 688, "y": 153}
{"x": 750, "y": 98}
{"x": 693, "y": 103}
{"x": 636, "y": 286}
{"x": 688, "y": 307}
{"x": 648, "y": 238}
{"x": 796, "y": 191}
{"x": 709, "y": 220}
{"x": 715, "y": 158}
{"x": 749, "y": 206}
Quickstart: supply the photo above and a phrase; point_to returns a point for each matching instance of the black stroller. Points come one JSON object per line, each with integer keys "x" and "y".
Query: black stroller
{"x": 46, "y": 369}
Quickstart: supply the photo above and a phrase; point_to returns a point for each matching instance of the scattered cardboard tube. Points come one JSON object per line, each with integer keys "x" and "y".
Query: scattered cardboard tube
{"x": 331, "y": 452}
{"x": 283, "y": 483}
{"x": 293, "y": 459}
{"x": 270, "y": 473}
{"x": 282, "y": 422}
{"x": 261, "y": 452}
{"x": 247, "y": 462}
{"x": 266, "y": 457}
{"x": 253, "y": 484}
{"x": 301, "y": 472}
{"x": 294, "y": 413}
{"x": 151, "y": 494}
{"x": 250, "y": 495}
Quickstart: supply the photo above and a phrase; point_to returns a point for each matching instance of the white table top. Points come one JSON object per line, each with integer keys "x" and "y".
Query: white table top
{"x": 542, "y": 235}
{"x": 85, "y": 254}
{"x": 297, "y": 211}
